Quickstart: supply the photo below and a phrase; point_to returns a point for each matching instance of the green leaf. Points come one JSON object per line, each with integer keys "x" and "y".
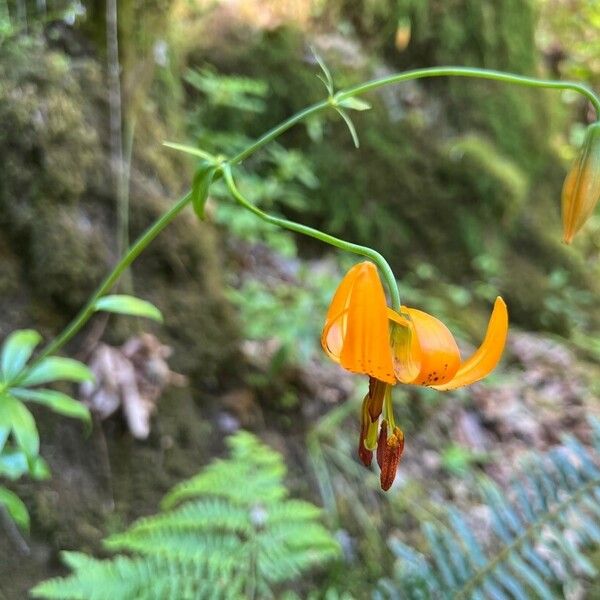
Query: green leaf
{"x": 57, "y": 368}
{"x": 13, "y": 464}
{"x": 15, "y": 507}
{"x": 56, "y": 401}
{"x": 439, "y": 554}
{"x": 529, "y": 575}
{"x": 189, "y": 150}
{"x": 354, "y": 104}
{"x": 328, "y": 80}
{"x": 129, "y": 305}
{"x": 39, "y": 469}
{"x": 22, "y": 423}
{"x": 200, "y": 187}
{"x": 16, "y": 351}
{"x": 4, "y": 431}
{"x": 350, "y": 126}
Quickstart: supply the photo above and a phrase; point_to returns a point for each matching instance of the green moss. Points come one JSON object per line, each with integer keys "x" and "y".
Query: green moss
{"x": 56, "y": 198}
{"x": 67, "y": 257}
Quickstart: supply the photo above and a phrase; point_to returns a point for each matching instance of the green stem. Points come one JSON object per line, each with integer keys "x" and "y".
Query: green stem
{"x": 388, "y": 409}
{"x": 138, "y": 247}
{"x": 371, "y": 254}
{"x": 279, "y": 129}
{"x": 470, "y": 72}
{"x": 407, "y": 76}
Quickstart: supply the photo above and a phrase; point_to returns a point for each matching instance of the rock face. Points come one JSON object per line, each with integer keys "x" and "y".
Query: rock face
{"x": 58, "y": 221}
{"x": 58, "y": 213}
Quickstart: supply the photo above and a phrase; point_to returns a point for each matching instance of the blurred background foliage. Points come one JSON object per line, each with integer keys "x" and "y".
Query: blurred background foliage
{"x": 456, "y": 181}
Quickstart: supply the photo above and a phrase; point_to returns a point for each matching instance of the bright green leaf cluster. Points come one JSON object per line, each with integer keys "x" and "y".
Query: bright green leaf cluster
{"x": 19, "y": 438}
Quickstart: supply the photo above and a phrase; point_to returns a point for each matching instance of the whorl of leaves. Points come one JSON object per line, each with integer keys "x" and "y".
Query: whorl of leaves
{"x": 229, "y": 532}
{"x": 541, "y": 524}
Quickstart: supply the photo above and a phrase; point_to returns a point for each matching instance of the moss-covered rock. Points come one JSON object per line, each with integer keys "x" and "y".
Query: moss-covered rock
{"x": 56, "y": 201}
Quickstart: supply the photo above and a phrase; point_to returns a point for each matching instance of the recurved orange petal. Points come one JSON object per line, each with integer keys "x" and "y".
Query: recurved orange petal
{"x": 487, "y": 356}
{"x": 356, "y": 332}
{"x": 431, "y": 348}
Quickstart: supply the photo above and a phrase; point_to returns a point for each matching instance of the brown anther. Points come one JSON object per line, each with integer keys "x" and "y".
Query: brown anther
{"x": 381, "y": 442}
{"x": 366, "y": 456}
{"x": 391, "y": 452}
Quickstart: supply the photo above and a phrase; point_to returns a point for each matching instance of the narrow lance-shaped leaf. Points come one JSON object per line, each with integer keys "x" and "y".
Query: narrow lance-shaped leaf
{"x": 15, "y": 508}
{"x": 57, "y": 368}
{"x": 4, "y": 431}
{"x": 188, "y": 150}
{"x": 13, "y": 464}
{"x": 128, "y": 305}
{"x": 56, "y": 401}
{"x": 38, "y": 468}
{"x": 200, "y": 186}
{"x": 354, "y": 104}
{"x": 530, "y": 575}
{"x": 439, "y": 555}
{"x": 22, "y": 424}
{"x": 16, "y": 351}
{"x": 510, "y": 583}
{"x": 328, "y": 79}
{"x": 350, "y": 126}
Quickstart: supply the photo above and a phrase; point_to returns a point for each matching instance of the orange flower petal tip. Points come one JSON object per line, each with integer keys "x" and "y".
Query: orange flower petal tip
{"x": 487, "y": 356}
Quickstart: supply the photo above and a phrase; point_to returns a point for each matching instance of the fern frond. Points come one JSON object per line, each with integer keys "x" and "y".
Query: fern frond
{"x": 137, "y": 578}
{"x": 541, "y": 525}
{"x": 229, "y": 532}
{"x": 203, "y": 515}
{"x": 254, "y": 473}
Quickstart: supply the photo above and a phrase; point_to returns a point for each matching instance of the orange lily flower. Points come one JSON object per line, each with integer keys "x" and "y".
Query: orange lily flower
{"x": 364, "y": 335}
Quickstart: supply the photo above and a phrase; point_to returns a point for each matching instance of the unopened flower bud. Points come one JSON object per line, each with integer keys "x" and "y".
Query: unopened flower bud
{"x": 581, "y": 190}
{"x": 391, "y": 452}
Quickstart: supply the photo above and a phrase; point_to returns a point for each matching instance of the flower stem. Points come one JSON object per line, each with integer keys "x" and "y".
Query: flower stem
{"x": 279, "y": 129}
{"x": 373, "y": 255}
{"x": 134, "y": 251}
{"x": 333, "y": 101}
{"x": 470, "y": 72}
